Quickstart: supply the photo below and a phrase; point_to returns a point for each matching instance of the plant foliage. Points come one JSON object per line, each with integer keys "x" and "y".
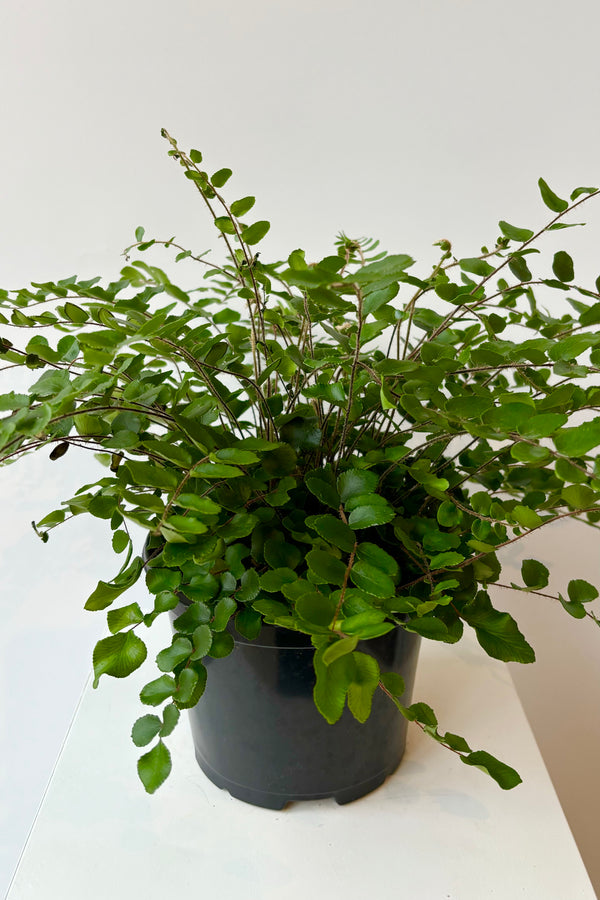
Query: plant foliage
{"x": 339, "y": 447}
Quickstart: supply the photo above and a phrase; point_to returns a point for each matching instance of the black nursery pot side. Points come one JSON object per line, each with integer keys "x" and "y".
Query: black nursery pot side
{"x": 258, "y": 734}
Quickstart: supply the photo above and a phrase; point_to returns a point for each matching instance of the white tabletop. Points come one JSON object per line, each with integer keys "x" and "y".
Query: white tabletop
{"x": 436, "y": 830}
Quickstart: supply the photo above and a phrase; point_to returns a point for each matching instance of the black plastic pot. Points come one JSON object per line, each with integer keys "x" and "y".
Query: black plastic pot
{"x": 258, "y": 734}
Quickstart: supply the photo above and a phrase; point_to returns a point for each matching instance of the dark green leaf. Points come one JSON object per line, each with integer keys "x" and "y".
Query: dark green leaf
{"x": 447, "y": 559}
{"x": 316, "y": 278}
{"x": 566, "y": 471}
{"x": 222, "y": 645}
{"x": 13, "y": 401}
{"x": 225, "y": 225}
{"x": 274, "y": 580}
{"x": 470, "y": 407}
{"x": 376, "y": 299}
{"x": 476, "y": 266}
{"x": 248, "y": 623}
{"x": 226, "y": 316}
{"x": 552, "y": 201}
{"x": 241, "y": 207}
{"x": 339, "y": 648}
{"x": 421, "y": 712}
{"x": 376, "y": 556}
{"x": 519, "y": 268}
{"x": 170, "y": 719}
{"x": 582, "y": 190}
{"x": 391, "y": 268}
{"x": 187, "y": 681}
{"x": 103, "y": 595}
{"x": 271, "y": 609}
{"x": 297, "y": 260}
{"x": 363, "y": 685}
{"x": 149, "y": 475}
{"x": 75, "y": 313}
{"x": 300, "y": 432}
{"x": 497, "y": 632}
{"x": 32, "y": 422}
{"x": 574, "y": 607}
{"x": 120, "y": 540}
{"x": 562, "y": 266}
{"x": 356, "y": 481}
{"x": 280, "y": 461}
{"x": 158, "y": 580}
{"x": 534, "y": 574}
{"x": 581, "y": 591}
{"x": 332, "y": 683}
{"x": 202, "y": 638}
{"x": 455, "y": 742}
{"x": 145, "y": 730}
{"x": 591, "y": 316}
{"x": 119, "y": 655}
{"x": 234, "y": 556}
{"x": 281, "y": 554}
{"x": 325, "y": 567}
{"x": 559, "y": 226}
{"x": 335, "y": 531}
{"x": 154, "y": 767}
{"x": 574, "y": 442}
{"x": 102, "y": 506}
{"x": 169, "y": 658}
{"x": 367, "y": 624}
{"x": 543, "y": 425}
{"x": 121, "y": 618}
{"x": 191, "y": 683}
{"x": 256, "y": 232}
{"x": 526, "y": 517}
{"x": 321, "y": 485}
{"x": 224, "y": 610}
{"x": 369, "y": 515}
{"x": 448, "y": 515}
{"x": 163, "y": 602}
{"x": 250, "y": 586}
{"x": 155, "y": 692}
{"x": 580, "y": 496}
{"x": 199, "y": 178}
{"x": 514, "y": 233}
{"x": 241, "y": 525}
{"x": 221, "y": 177}
{"x": 235, "y": 456}
{"x": 315, "y": 608}
{"x": 198, "y": 504}
{"x": 197, "y": 613}
{"x": 504, "y": 775}
{"x": 216, "y": 470}
{"x": 201, "y": 588}
{"x": 372, "y": 580}
{"x": 529, "y": 453}
{"x": 393, "y": 682}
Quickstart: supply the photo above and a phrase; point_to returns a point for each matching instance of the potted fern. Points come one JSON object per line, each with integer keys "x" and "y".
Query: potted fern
{"x": 326, "y": 458}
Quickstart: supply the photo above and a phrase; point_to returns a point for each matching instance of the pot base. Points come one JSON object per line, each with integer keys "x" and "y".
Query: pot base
{"x": 269, "y": 800}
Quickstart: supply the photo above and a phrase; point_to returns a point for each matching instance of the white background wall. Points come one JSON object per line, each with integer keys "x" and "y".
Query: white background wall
{"x": 408, "y": 121}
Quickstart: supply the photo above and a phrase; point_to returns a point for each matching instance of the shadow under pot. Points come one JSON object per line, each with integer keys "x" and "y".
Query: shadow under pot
{"x": 258, "y": 734}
